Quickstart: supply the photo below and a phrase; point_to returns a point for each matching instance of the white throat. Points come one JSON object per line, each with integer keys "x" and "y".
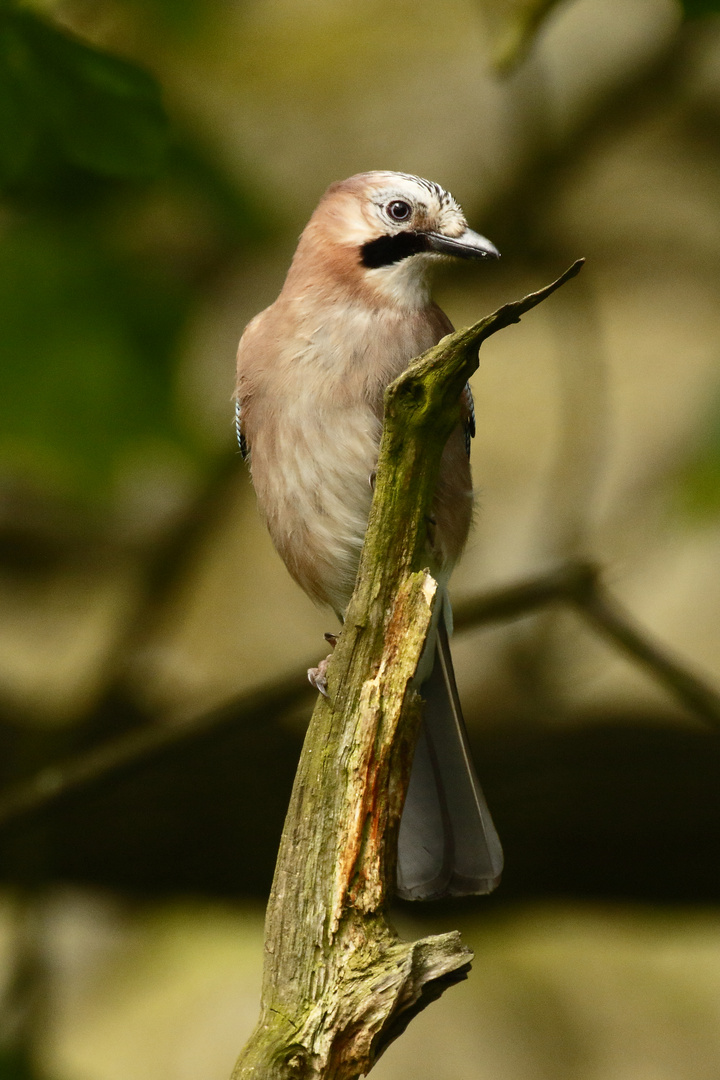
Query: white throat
{"x": 404, "y": 283}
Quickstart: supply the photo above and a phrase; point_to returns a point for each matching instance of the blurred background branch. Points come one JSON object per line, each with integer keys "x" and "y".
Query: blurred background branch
{"x": 576, "y": 584}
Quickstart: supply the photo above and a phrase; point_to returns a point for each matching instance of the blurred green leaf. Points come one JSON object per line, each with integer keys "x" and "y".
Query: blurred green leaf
{"x": 97, "y": 272}
{"x": 97, "y": 111}
{"x": 86, "y": 351}
{"x": 694, "y": 9}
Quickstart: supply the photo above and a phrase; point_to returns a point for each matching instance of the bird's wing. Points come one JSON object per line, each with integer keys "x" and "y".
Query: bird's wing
{"x": 250, "y": 356}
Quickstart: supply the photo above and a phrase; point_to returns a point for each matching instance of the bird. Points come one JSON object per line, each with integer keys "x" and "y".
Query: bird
{"x": 312, "y": 369}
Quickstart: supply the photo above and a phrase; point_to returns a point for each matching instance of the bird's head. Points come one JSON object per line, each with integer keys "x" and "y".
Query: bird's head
{"x": 383, "y": 229}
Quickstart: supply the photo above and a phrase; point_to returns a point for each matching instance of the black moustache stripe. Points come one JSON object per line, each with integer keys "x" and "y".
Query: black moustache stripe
{"x": 387, "y": 250}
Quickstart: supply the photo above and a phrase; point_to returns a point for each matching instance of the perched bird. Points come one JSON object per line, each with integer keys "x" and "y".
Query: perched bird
{"x": 312, "y": 369}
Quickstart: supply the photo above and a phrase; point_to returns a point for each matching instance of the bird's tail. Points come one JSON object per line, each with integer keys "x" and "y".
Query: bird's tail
{"x": 447, "y": 844}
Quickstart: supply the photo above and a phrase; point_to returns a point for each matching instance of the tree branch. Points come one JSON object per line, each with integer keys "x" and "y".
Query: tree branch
{"x": 339, "y": 985}
{"x": 142, "y": 743}
{"x": 608, "y": 617}
{"x": 580, "y": 584}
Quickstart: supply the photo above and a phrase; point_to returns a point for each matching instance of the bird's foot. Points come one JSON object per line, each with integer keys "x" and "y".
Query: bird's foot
{"x": 317, "y": 676}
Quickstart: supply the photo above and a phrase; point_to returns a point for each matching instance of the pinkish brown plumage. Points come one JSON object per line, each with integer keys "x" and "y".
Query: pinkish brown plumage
{"x": 312, "y": 370}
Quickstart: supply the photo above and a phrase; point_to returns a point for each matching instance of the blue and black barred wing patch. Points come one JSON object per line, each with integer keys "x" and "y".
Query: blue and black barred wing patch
{"x": 467, "y": 406}
{"x": 244, "y": 448}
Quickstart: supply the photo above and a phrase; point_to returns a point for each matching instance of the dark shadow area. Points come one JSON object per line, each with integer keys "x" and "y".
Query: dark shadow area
{"x": 609, "y": 810}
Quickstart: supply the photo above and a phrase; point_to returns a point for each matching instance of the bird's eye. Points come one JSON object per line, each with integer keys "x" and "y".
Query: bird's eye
{"x": 399, "y": 210}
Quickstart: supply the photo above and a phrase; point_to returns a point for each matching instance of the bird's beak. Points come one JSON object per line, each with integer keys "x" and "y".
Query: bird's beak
{"x": 469, "y": 245}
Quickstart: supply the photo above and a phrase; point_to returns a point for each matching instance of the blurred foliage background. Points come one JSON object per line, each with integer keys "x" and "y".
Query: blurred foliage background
{"x": 157, "y": 162}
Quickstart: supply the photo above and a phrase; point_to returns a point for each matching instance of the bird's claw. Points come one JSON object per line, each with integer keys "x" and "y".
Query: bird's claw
{"x": 317, "y": 676}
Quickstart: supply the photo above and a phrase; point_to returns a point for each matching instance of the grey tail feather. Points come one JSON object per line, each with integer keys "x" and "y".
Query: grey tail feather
{"x": 447, "y": 844}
